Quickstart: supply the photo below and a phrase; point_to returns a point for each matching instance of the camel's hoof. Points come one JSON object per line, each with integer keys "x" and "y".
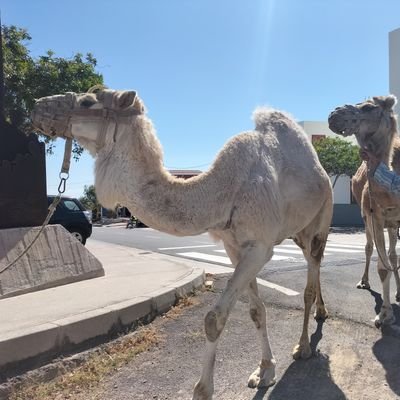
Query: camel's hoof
{"x": 321, "y": 314}
{"x": 201, "y": 392}
{"x": 384, "y": 320}
{"x": 303, "y": 352}
{"x": 262, "y": 377}
{"x": 363, "y": 285}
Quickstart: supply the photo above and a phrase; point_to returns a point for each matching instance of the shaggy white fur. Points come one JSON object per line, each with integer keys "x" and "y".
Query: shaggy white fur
{"x": 264, "y": 186}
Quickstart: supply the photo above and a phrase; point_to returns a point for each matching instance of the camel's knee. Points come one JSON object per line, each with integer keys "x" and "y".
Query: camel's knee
{"x": 310, "y": 295}
{"x": 383, "y": 274}
{"x": 214, "y": 324}
{"x": 318, "y": 247}
{"x": 369, "y": 248}
{"x": 256, "y": 314}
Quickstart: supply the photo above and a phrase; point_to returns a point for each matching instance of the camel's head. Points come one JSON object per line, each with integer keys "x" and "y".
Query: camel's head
{"x": 91, "y": 118}
{"x": 371, "y": 122}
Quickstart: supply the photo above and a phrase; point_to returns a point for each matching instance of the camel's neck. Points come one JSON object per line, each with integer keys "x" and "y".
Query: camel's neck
{"x": 132, "y": 174}
{"x": 382, "y": 142}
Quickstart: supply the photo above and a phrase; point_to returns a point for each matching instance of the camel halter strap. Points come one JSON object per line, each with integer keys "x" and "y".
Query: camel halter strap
{"x": 64, "y": 175}
{"x": 386, "y": 266}
{"x": 353, "y": 117}
{"x": 55, "y": 116}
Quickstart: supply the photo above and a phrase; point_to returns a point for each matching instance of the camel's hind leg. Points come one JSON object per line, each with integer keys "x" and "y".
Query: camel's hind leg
{"x": 252, "y": 258}
{"x": 264, "y": 375}
{"x": 385, "y": 315}
{"x": 392, "y": 233}
{"x": 312, "y": 241}
{"x": 369, "y": 248}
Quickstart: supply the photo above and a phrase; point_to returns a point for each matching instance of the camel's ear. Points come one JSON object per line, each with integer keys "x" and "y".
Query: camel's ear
{"x": 125, "y": 98}
{"x": 386, "y": 102}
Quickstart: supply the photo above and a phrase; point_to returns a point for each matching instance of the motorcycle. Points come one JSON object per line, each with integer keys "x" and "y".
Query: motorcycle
{"x": 132, "y": 223}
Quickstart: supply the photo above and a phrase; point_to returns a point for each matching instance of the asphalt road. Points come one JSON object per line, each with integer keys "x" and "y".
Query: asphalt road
{"x": 352, "y": 359}
{"x": 341, "y": 270}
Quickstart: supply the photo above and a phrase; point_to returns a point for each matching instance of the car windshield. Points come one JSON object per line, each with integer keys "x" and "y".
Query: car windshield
{"x": 71, "y": 205}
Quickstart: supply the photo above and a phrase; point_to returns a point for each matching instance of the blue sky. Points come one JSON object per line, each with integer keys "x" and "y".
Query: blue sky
{"x": 202, "y": 66}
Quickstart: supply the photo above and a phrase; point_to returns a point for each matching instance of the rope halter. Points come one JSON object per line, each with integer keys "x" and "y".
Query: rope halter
{"x": 53, "y": 115}
{"x": 346, "y": 120}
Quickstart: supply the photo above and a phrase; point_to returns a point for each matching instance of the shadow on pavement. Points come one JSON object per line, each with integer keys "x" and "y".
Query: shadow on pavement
{"x": 387, "y": 352}
{"x": 308, "y": 379}
{"x": 316, "y": 337}
{"x": 378, "y": 300}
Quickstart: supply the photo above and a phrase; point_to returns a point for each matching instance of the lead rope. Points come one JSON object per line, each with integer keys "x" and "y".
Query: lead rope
{"x": 64, "y": 175}
{"x": 388, "y": 267}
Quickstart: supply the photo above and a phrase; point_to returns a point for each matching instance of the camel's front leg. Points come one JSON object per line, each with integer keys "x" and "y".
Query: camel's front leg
{"x": 369, "y": 248}
{"x": 397, "y": 279}
{"x": 251, "y": 260}
{"x": 392, "y": 232}
{"x": 385, "y": 315}
{"x": 264, "y": 375}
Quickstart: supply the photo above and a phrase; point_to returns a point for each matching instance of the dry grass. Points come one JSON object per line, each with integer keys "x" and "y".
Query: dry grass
{"x": 82, "y": 382}
{"x": 184, "y": 302}
{"x": 87, "y": 376}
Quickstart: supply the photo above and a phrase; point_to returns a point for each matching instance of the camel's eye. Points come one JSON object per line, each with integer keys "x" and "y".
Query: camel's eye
{"x": 367, "y": 107}
{"x": 87, "y": 103}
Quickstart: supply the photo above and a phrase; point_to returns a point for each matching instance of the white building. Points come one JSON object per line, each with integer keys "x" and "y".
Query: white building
{"x": 394, "y": 66}
{"x": 317, "y": 130}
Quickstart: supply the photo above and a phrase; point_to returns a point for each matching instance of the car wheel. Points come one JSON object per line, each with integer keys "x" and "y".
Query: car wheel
{"x": 78, "y": 235}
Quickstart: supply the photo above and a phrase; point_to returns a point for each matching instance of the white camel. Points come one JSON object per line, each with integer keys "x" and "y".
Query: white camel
{"x": 375, "y": 127}
{"x": 264, "y": 186}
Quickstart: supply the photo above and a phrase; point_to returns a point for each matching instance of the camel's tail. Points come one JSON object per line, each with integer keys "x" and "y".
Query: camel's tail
{"x": 265, "y": 118}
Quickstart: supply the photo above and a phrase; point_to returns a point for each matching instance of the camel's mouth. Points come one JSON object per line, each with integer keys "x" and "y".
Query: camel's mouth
{"x": 338, "y": 126}
{"x": 50, "y": 115}
{"x": 343, "y": 121}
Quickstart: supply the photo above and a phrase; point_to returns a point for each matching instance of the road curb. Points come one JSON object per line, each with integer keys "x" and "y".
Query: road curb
{"x": 34, "y": 347}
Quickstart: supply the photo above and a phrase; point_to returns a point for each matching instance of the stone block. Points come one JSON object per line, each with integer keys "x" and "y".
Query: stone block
{"x": 55, "y": 259}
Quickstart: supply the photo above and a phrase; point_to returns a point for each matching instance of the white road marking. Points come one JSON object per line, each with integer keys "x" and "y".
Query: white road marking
{"x": 221, "y": 259}
{"x": 218, "y": 269}
{"x": 341, "y": 250}
{"x": 279, "y": 288}
{"x": 350, "y": 246}
{"x": 278, "y": 250}
{"x": 206, "y": 257}
{"x": 290, "y": 251}
{"x": 187, "y": 247}
{"x": 329, "y": 248}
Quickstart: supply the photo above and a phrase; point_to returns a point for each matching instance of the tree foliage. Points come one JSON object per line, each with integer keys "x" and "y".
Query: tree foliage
{"x": 337, "y": 156}
{"x": 90, "y": 202}
{"x": 27, "y": 78}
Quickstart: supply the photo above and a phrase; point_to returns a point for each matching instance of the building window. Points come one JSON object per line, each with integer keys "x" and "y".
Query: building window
{"x": 315, "y": 138}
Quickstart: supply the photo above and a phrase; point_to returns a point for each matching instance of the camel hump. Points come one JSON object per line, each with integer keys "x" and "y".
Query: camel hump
{"x": 266, "y": 118}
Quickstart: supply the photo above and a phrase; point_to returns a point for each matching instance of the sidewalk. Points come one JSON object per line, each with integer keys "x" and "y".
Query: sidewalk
{"x": 137, "y": 286}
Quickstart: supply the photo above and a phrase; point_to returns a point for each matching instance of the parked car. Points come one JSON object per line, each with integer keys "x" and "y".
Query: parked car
{"x": 71, "y": 214}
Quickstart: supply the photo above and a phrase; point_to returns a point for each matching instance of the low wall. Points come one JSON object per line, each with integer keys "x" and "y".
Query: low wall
{"x": 347, "y": 215}
{"x": 55, "y": 259}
